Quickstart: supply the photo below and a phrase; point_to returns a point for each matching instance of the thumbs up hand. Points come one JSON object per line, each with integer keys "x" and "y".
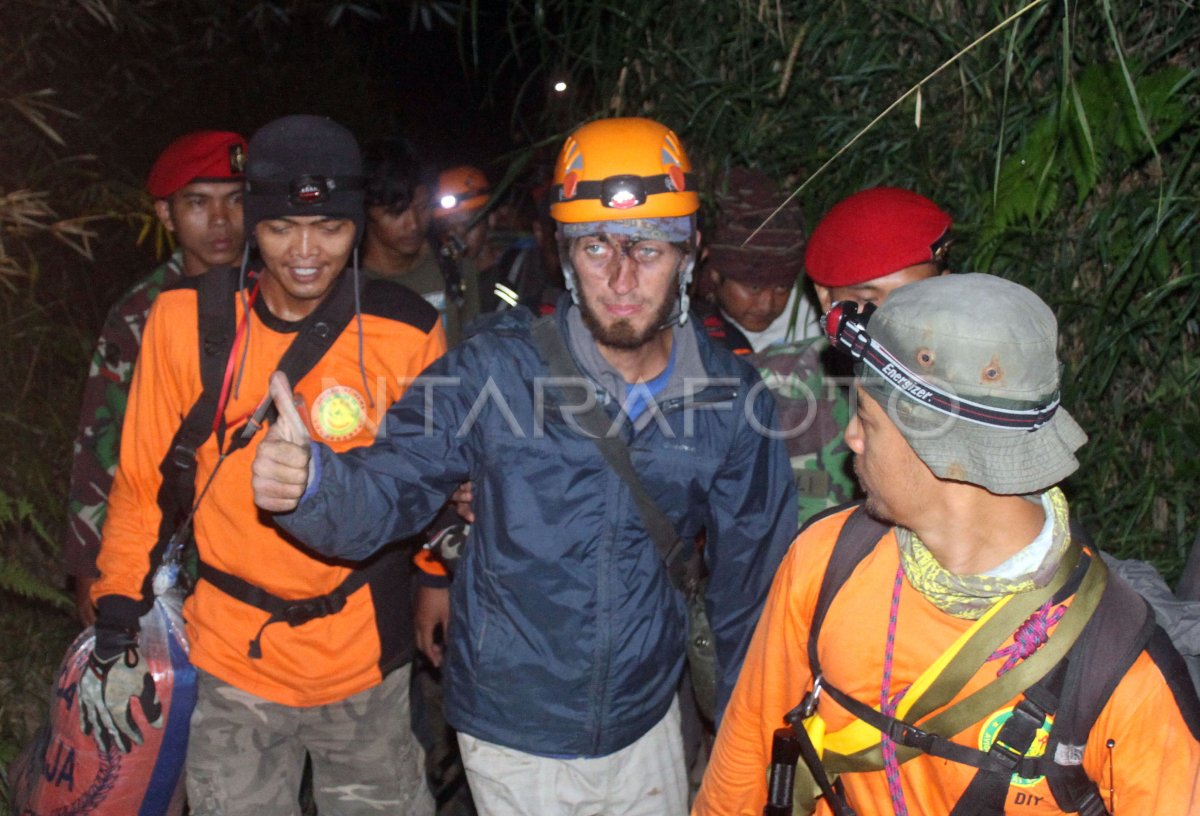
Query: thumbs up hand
{"x": 283, "y": 460}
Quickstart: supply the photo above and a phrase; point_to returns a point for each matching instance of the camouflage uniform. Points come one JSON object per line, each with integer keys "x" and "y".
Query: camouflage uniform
{"x": 98, "y": 441}
{"x": 365, "y": 762}
{"x": 814, "y": 409}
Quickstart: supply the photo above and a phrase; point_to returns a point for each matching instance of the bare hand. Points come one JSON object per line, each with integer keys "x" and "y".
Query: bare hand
{"x": 461, "y": 499}
{"x": 281, "y": 463}
{"x": 431, "y": 609}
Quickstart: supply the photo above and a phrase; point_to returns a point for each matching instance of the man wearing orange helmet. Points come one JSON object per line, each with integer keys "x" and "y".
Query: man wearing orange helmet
{"x": 565, "y": 633}
{"x": 460, "y": 230}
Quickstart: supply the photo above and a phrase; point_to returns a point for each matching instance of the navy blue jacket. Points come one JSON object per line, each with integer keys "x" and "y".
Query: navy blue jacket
{"x": 566, "y": 636}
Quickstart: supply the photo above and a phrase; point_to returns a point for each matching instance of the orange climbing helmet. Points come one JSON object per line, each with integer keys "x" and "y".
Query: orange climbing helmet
{"x": 626, "y": 168}
{"x": 460, "y": 189}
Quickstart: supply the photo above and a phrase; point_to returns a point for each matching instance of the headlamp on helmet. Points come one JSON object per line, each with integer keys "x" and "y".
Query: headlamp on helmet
{"x": 623, "y": 168}
{"x": 461, "y": 189}
{"x": 622, "y": 192}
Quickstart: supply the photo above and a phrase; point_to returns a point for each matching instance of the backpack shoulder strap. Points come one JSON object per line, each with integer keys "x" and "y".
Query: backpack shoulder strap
{"x": 1170, "y": 662}
{"x": 317, "y": 333}
{"x": 1117, "y": 633}
{"x": 857, "y": 538}
{"x": 683, "y": 569}
{"x": 216, "y": 327}
{"x": 1122, "y": 627}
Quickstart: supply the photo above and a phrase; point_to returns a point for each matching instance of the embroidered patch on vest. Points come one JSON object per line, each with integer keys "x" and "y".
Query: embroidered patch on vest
{"x": 338, "y": 413}
{"x": 993, "y": 724}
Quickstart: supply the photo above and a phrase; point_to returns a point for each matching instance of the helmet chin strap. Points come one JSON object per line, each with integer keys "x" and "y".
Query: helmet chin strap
{"x": 568, "y": 270}
{"x": 679, "y": 316}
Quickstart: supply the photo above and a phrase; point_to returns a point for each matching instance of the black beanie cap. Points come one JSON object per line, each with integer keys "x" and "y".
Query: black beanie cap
{"x": 303, "y": 165}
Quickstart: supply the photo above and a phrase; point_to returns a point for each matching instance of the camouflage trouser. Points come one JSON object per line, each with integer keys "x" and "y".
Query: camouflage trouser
{"x": 246, "y": 755}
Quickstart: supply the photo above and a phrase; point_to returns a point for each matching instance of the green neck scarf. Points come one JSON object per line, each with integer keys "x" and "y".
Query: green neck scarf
{"x": 969, "y": 596}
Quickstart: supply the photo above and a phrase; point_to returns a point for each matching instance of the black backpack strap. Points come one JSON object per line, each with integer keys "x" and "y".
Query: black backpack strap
{"x": 988, "y": 789}
{"x": 1118, "y": 632}
{"x": 1174, "y": 669}
{"x": 858, "y": 537}
{"x": 216, "y": 327}
{"x": 1124, "y": 627}
{"x": 685, "y": 571}
{"x": 317, "y": 333}
{"x": 216, "y": 321}
{"x": 295, "y": 612}
{"x": 1121, "y": 629}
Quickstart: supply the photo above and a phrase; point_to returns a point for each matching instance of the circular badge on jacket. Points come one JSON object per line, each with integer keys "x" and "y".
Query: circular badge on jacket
{"x": 993, "y": 724}
{"x": 338, "y": 413}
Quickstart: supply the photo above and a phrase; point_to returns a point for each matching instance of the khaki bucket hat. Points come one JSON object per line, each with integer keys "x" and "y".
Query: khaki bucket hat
{"x": 967, "y": 367}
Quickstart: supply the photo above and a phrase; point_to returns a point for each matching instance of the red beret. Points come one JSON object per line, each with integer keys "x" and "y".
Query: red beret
{"x": 874, "y": 233}
{"x": 208, "y": 155}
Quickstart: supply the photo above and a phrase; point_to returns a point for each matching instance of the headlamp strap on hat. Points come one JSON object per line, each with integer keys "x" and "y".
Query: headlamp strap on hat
{"x": 846, "y": 328}
{"x": 622, "y": 192}
{"x": 308, "y": 189}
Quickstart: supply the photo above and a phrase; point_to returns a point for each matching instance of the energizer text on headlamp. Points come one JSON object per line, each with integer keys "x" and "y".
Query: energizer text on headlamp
{"x": 846, "y": 328}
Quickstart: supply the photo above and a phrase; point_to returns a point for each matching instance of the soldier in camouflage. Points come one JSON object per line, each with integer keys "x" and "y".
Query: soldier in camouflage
{"x": 866, "y": 246}
{"x": 813, "y": 411}
{"x": 197, "y": 187}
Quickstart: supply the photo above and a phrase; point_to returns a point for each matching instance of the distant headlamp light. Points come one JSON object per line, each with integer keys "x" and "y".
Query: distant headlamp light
{"x": 448, "y": 202}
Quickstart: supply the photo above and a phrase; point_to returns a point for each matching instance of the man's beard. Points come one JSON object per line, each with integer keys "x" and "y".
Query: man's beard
{"x": 621, "y": 334}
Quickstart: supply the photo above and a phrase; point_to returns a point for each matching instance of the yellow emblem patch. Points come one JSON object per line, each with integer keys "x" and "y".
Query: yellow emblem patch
{"x": 338, "y": 413}
{"x": 992, "y": 726}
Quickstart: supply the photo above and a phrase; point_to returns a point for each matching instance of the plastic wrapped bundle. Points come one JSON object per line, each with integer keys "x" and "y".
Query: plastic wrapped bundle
{"x": 64, "y": 771}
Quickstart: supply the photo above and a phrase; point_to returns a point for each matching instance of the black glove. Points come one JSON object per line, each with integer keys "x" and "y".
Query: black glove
{"x": 114, "y": 675}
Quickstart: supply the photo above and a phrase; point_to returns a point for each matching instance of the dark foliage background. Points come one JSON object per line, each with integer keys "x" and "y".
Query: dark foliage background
{"x": 1065, "y": 145}
{"x": 90, "y": 92}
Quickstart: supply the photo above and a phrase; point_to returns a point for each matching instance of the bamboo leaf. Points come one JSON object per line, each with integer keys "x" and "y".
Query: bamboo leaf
{"x": 1134, "y": 100}
{"x": 1081, "y": 157}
